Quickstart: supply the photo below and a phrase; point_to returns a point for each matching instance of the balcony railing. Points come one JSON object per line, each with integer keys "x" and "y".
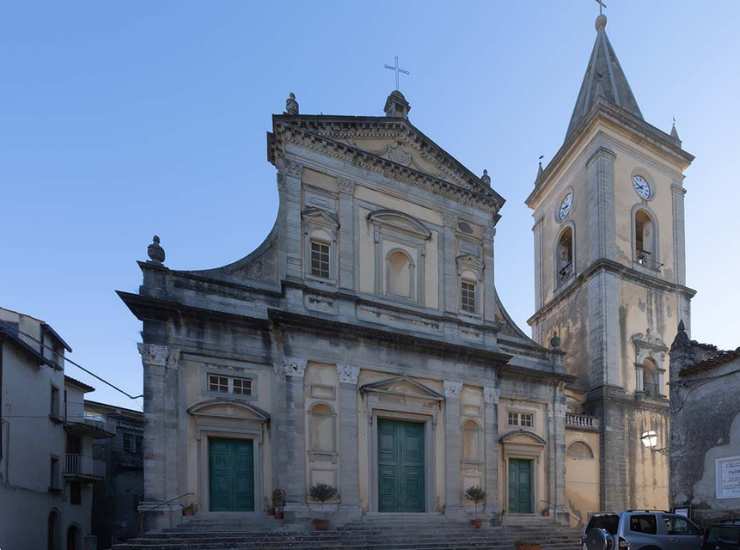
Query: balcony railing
{"x": 76, "y": 465}
{"x": 581, "y": 422}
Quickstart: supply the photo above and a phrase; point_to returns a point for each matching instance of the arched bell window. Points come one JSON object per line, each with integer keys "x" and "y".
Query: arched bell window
{"x": 650, "y": 378}
{"x": 564, "y": 256}
{"x": 645, "y": 241}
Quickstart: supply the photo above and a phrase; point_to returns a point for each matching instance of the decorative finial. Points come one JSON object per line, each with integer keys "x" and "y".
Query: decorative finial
{"x": 555, "y": 341}
{"x": 601, "y": 19}
{"x": 396, "y": 105}
{"x": 674, "y": 132}
{"x": 485, "y": 178}
{"x": 540, "y": 171}
{"x": 154, "y": 251}
{"x": 682, "y": 338}
{"x": 291, "y": 105}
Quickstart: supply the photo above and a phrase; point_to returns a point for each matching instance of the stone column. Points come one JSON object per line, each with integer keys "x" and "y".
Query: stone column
{"x": 559, "y": 502}
{"x": 349, "y": 466}
{"x": 346, "y": 248}
{"x": 293, "y": 437}
{"x": 453, "y": 449}
{"x": 289, "y": 185}
{"x": 160, "y": 436}
{"x": 600, "y": 198}
{"x": 490, "y": 419}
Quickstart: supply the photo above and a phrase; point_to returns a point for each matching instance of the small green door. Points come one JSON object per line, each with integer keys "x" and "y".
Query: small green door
{"x": 400, "y": 466}
{"x": 520, "y": 486}
{"x": 231, "y": 475}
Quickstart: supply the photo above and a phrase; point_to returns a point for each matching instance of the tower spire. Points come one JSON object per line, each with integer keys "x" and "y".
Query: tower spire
{"x": 604, "y": 80}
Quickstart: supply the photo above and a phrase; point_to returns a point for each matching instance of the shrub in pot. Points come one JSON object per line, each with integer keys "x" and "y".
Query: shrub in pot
{"x": 477, "y": 495}
{"x": 278, "y": 502}
{"x": 321, "y": 492}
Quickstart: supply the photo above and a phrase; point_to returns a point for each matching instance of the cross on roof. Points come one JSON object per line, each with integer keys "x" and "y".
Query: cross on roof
{"x": 601, "y": 6}
{"x": 398, "y": 70}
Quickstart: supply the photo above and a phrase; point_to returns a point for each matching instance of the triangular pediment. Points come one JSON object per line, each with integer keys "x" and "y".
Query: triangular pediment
{"x": 221, "y": 408}
{"x": 394, "y": 140}
{"x": 403, "y": 386}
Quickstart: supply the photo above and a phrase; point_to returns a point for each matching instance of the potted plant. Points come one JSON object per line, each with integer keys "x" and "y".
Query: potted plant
{"x": 278, "y": 501}
{"x": 477, "y": 495}
{"x": 321, "y": 492}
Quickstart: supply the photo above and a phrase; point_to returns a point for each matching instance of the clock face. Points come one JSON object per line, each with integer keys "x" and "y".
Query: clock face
{"x": 642, "y": 187}
{"x": 565, "y": 206}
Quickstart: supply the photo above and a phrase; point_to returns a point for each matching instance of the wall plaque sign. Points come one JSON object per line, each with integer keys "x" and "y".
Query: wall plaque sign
{"x": 728, "y": 477}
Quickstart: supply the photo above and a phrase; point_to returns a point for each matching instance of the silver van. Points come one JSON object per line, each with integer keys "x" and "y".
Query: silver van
{"x": 641, "y": 530}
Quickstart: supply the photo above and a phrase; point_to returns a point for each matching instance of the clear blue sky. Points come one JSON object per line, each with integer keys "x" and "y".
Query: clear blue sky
{"x": 119, "y": 120}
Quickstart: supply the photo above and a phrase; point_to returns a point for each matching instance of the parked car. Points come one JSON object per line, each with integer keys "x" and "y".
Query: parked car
{"x": 722, "y": 536}
{"x": 641, "y": 530}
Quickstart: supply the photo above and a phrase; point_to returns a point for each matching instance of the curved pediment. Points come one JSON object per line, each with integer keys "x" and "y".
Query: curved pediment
{"x": 400, "y": 220}
{"x": 402, "y": 386}
{"x": 522, "y": 437}
{"x": 223, "y": 408}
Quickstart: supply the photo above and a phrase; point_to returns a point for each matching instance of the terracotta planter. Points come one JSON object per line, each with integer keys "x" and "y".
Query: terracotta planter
{"x": 279, "y": 514}
{"x": 528, "y": 546}
{"x": 320, "y": 524}
{"x": 476, "y": 523}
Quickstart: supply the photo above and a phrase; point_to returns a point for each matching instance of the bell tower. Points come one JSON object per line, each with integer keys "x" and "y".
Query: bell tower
{"x": 610, "y": 274}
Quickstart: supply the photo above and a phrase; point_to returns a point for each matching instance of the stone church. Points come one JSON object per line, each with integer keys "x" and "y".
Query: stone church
{"x": 363, "y": 344}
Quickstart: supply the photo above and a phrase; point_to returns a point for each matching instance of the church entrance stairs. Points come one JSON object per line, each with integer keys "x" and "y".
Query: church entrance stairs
{"x": 397, "y": 532}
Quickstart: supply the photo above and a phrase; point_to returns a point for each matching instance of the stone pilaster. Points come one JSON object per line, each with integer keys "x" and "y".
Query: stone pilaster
{"x": 539, "y": 298}
{"x": 346, "y": 248}
{"x": 453, "y": 449}
{"x": 349, "y": 465}
{"x": 449, "y": 265}
{"x": 289, "y": 185}
{"x": 160, "y": 435}
{"x": 489, "y": 307}
{"x": 600, "y": 198}
{"x": 293, "y": 436}
{"x": 679, "y": 235}
{"x": 559, "y": 502}
{"x": 490, "y": 401}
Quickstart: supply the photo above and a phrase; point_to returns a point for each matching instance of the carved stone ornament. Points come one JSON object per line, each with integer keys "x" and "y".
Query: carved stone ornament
{"x": 452, "y": 389}
{"x": 293, "y": 168}
{"x": 471, "y": 263}
{"x": 154, "y": 354}
{"x": 396, "y": 153}
{"x": 348, "y": 374}
{"x": 294, "y": 367}
{"x": 291, "y": 105}
{"x": 346, "y": 185}
{"x": 155, "y": 251}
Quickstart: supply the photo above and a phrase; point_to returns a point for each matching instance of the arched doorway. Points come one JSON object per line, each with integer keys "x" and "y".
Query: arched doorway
{"x": 73, "y": 538}
{"x": 52, "y": 529}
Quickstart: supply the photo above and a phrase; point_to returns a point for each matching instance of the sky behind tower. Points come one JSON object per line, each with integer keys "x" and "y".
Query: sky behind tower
{"x": 121, "y": 120}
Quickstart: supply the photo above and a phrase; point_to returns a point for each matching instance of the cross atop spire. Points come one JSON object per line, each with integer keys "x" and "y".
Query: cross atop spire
{"x": 399, "y": 71}
{"x": 601, "y": 6}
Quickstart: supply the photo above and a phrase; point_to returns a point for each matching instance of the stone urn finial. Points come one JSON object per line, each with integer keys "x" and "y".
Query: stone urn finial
{"x": 155, "y": 251}
{"x": 291, "y": 105}
{"x": 555, "y": 341}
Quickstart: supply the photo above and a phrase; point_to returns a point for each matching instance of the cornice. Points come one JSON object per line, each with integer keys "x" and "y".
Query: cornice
{"x": 612, "y": 267}
{"x": 620, "y": 117}
{"x": 309, "y": 136}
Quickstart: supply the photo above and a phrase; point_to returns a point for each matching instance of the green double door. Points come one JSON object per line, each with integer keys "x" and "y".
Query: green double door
{"x": 400, "y": 466}
{"x": 231, "y": 475}
{"x": 520, "y": 486}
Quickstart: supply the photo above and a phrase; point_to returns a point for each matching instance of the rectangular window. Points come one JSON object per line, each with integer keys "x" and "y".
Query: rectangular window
{"x": 218, "y": 383}
{"x": 229, "y": 384}
{"x": 75, "y": 493}
{"x": 320, "y": 259}
{"x": 467, "y": 296}
{"x": 526, "y": 419}
{"x": 54, "y": 473}
{"x": 644, "y": 524}
{"x": 54, "y": 403}
{"x": 128, "y": 442}
{"x": 513, "y": 419}
{"x": 242, "y": 386}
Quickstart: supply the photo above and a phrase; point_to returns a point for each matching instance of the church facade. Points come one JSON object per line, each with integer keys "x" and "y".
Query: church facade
{"x": 363, "y": 345}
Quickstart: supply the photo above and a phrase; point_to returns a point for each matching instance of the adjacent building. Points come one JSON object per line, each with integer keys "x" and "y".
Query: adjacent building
{"x": 117, "y": 497}
{"x": 47, "y": 469}
{"x": 705, "y": 429}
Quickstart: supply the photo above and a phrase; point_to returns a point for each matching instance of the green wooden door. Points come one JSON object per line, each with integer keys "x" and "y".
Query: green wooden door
{"x": 231, "y": 474}
{"x": 400, "y": 466}
{"x": 520, "y": 486}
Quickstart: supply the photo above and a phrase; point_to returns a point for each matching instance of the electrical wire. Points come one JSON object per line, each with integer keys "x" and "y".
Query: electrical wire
{"x": 103, "y": 380}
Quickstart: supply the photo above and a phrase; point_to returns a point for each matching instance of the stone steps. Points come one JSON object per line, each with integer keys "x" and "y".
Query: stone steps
{"x": 428, "y": 532}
